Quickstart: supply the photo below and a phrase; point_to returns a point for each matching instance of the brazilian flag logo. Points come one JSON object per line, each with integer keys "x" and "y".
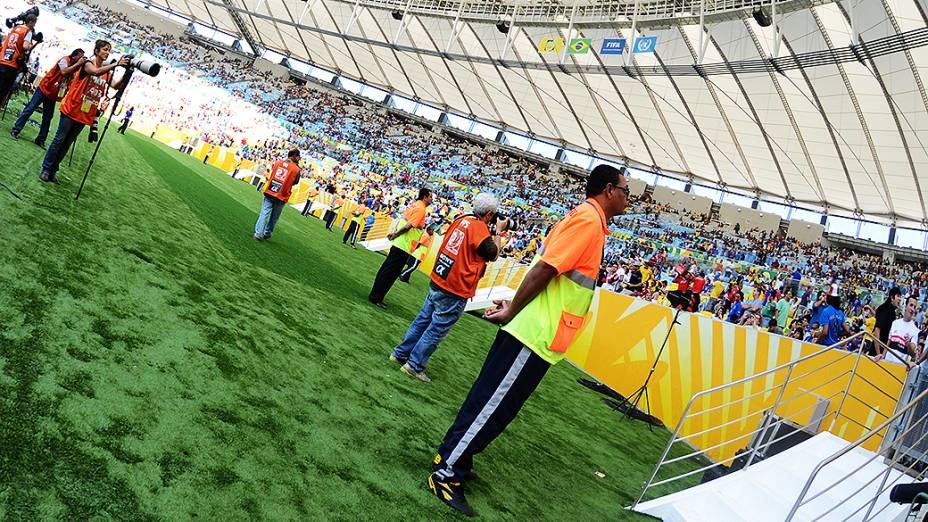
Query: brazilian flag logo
{"x": 579, "y": 46}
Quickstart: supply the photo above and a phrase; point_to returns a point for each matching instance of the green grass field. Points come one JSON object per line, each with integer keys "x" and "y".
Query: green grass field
{"x": 158, "y": 364}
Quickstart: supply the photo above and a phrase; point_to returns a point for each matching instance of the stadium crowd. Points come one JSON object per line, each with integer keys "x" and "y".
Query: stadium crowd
{"x": 746, "y": 276}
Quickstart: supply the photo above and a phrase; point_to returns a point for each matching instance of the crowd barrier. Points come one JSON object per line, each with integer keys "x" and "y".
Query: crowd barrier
{"x": 621, "y": 338}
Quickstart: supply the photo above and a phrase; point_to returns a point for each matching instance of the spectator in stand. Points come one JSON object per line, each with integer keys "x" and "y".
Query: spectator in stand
{"x": 466, "y": 249}
{"x": 903, "y": 336}
{"x": 833, "y": 321}
{"x": 409, "y": 227}
{"x": 885, "y": 316}
{"x": 284, "y": 175}
{"x": 51, "y": 90}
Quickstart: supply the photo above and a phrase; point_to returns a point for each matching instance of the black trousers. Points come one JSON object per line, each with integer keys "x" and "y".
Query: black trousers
{"x": 329, "y": 219}
{"x": 509, "y": 375}
{"x": 411, "y": 265}
{"x": 351, "y": 234}
{"x": 123, "y": 127}
{"x": 389, "y": 271}
{"x": 7, "y": 80}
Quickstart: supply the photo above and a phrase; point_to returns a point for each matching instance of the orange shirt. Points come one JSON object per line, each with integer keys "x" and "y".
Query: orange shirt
{"x": 12, "y": 48}
{"x": 415, "y": 214}
{"x": 577, "y": 241}
{"x": 82, "y": 102}
{"x": 53, "y": 83}
{"x": 458, "y": 267}
{"x": 284, "y": 174}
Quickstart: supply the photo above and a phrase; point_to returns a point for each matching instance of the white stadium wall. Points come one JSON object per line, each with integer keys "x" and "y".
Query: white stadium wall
{"x": 749, "y": 219}
{"x": 804, "y": 231}
{"x": 142, "y": 16}
{"x": 681, "y": 200}
{"x": 636, "y": 186}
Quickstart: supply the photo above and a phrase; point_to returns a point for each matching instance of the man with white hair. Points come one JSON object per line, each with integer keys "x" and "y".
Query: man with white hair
{"x": 461, "y": 262}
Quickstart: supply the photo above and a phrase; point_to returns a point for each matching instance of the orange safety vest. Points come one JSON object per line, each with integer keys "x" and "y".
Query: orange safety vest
{"x": 12, "y": 49}
{"x": 82, "y": 102}
{"x": 54, "y": 85}
{"x": 283, "y": 176}
{"x": 458, "y": 267}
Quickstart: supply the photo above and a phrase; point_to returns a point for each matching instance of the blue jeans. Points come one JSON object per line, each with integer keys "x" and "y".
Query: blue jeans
{"x": 267, "y": 219}
{"x": 68, "y": 131}
{"x": 48, "y": 111}
{"x": 438, "y": 315}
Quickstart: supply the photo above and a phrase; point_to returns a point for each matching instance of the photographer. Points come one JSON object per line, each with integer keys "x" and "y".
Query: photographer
{"x": 17, "y": 43}
{"x": 81, "y": 104}
{"x": 51, "y": 90}
{"x": 462, "y": 259}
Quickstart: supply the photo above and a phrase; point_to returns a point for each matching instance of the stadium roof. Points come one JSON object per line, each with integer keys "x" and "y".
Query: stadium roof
{"x": 820, "y": 114}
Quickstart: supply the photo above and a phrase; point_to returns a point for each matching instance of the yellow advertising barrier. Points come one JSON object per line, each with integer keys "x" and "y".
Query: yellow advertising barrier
{"x": 622, "y": 336}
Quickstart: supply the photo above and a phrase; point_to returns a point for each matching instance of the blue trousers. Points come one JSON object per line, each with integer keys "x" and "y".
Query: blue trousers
{"x": 267, "y": 219}
{"x": 429, "y": 328}
{"x": 48, "y": 111}
{"x": 68, "y": 130}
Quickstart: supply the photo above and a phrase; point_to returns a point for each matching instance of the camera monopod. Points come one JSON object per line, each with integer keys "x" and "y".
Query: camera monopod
{"x": 127, "y": 77}
{"x": 149, "y": 68}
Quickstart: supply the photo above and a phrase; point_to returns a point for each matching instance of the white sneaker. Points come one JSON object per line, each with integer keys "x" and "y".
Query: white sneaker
{"x": 416, "y": 375}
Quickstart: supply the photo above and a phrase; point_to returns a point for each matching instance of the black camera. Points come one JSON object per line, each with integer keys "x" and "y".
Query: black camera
{"x": 144, "y": 66}
{"x": 22, "y": 17}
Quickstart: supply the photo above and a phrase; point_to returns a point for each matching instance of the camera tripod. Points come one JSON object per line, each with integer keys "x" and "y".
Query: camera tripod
{"x": 127, "y": 77}
{"x": 630, "y": 406}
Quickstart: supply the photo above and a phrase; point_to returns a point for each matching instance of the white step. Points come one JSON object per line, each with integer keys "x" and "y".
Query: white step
{"x": 768, "y": 489}
{"x": 485, "y": 297}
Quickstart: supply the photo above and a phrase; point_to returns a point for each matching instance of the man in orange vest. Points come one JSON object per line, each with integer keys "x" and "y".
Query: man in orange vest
{"x": 541, "y": 321}
{"x": 81, "y": 105}
{"x": 461, "y": 262}
{"x": 283, "y": 176}
{"x": 409, "y": 227}
{"x": 51, "y": 90}
{"x": 17, "y": 43}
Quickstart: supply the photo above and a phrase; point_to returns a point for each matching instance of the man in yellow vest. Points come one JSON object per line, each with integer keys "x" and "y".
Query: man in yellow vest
{"x": 354, "y": 228}
{"x": 409, "y": 228}
{"x": 420, "y": 249}
{"x": 548, "y": 310}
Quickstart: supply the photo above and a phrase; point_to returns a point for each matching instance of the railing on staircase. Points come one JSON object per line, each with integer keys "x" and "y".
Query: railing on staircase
{"x": 903, "y": 453}
{"x": 789, "y": 400}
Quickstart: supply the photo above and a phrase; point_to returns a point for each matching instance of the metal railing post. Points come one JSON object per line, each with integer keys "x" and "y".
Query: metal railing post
{"x": 847, "y": 389}
{"x": 877, "y": 496}
{"x": 773, "y": 412}
{"x": 673, "y": 438}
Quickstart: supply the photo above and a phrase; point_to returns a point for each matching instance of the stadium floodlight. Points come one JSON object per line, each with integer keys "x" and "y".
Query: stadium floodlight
{"x": 762, "y": 18}
{"x": 502, "y": 26}
{"x": 397, "y": 15}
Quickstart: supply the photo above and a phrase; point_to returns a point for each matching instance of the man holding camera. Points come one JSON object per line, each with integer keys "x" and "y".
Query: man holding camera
{"x": 462, "y": 260}
{"x": 17, "y": 43}
{"x": 284, "y": 175}
{"x": 51, "y": 90}
{"x": 81, "y": 104}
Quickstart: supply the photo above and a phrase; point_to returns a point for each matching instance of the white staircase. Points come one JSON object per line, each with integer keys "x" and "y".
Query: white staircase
{"x": 824, "y": 477}
{"x": 767, "y": 490}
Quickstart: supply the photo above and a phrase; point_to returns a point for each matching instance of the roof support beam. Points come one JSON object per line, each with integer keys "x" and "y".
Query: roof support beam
{"x": 241, "y": 26}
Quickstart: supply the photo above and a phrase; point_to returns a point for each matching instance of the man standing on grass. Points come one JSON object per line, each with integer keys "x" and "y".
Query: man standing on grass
{"x": 51, "y": 90}
{"x": 462, "y": 260}
{"x": 409, "y": 228}
{"x": 283, "y": 176}
{"x": 541, "y": 321}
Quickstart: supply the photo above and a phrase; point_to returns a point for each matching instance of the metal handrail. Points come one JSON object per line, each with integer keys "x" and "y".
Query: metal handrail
{"x": 766, "y": 425}
{"x": 800, "y": 501}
